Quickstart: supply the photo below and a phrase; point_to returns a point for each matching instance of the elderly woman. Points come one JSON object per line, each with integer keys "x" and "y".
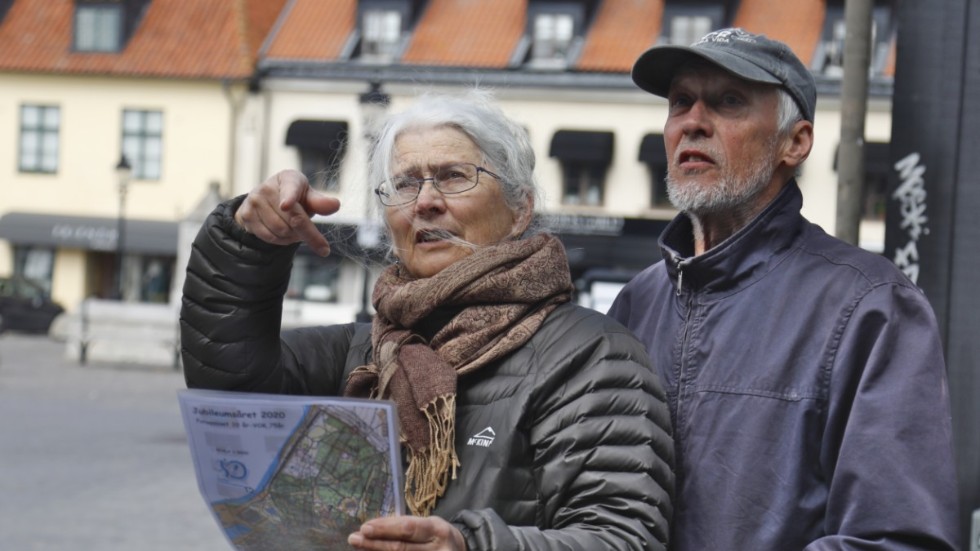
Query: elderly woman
{"x": 474, "y": 330}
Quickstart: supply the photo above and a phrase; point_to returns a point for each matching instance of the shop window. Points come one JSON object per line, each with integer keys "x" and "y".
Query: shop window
{"x": 155, "y": 278}
{"x": 314, "y": 278}
{"x": 142, "y": 142}
{"x": 36, "y": 264}
{"x": 40, "y": 126}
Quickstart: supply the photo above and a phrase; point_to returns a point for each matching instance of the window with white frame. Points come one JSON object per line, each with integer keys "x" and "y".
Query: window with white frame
{"x": 142, "y": 142}
{"x": 381, "y": 33}
{"x": 688, "y": 29}
{"x": 98, "y": 27}
{"x": 321, "y": 145}
{"x": 684, "y": 23}
{"x": 552, "y": 37}
{"x": 582, "y": 183}
{"x": 653, "y": 154}
{"x": 39, "y": 129}
{"x": 585, "y": 156}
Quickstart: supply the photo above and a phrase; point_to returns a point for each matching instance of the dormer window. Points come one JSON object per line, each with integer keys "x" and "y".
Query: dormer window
{"x": 383, "y": 28}
{"x": 833, "y": 50}
{"x": 98, "y": 27}
{"x": 688, "y": 29}
{"x": 381, "y": 32}
{"x": 828, "y": 59}
{"x": 552, "y": 37}
{"x": 686, "y": 23}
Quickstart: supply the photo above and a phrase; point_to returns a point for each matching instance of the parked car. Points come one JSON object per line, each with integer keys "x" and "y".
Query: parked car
{"x": 25, "y": 306}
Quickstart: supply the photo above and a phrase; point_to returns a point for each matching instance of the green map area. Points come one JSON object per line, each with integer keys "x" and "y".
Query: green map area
{"x": 332, "y": 474}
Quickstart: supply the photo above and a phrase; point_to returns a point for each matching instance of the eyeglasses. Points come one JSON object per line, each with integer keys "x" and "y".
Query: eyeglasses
{"x": 448, "y": 179}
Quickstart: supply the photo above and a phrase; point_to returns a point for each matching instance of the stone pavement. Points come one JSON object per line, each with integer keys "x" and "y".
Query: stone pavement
{"x": 94, "y": 457}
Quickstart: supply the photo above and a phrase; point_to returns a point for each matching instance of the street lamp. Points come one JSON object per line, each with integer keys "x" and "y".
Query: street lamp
{"x": 374, "y": 104}
{"x": 123, "y": 173}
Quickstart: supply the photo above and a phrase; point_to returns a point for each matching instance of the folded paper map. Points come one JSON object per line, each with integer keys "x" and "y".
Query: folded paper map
{"x": 293, "y": 472}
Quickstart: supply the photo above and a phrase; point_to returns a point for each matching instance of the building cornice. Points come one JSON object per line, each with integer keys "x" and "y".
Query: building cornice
{"x": 512, "y": 78}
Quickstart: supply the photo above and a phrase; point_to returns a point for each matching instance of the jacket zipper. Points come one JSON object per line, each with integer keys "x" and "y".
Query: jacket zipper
{"x": 679, "y": 264}
{"x": 679, "y": 417}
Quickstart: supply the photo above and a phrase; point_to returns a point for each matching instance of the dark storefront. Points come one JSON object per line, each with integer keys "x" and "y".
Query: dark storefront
{"x": 149, "y": 251}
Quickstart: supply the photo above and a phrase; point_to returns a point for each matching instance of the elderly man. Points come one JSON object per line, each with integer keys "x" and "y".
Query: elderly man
{"x": 805, "y": 376}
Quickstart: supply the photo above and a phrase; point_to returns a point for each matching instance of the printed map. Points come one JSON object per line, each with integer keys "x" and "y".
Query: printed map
{"x": 332, "y": 471}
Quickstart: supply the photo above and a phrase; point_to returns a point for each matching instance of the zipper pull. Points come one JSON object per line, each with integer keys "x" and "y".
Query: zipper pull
{"x": 680, "y": 278}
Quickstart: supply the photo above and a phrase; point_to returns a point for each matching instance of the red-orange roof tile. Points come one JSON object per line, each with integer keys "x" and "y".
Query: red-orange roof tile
{"x": 623, "y": 29}
{"x": 798, "y": 23}
{"x": 175, "y": 38}
{"x": 260, "y": 16}
{"x": 313, "y": 29}
{"x": 467, "y": 33}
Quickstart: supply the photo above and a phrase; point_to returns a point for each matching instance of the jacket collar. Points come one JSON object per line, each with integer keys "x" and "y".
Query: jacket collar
{"x": 742, "y": 257}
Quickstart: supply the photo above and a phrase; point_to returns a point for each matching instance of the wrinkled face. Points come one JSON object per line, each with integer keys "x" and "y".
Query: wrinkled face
{"x": 436, "y": 230}
{"x": 722, "y": 141}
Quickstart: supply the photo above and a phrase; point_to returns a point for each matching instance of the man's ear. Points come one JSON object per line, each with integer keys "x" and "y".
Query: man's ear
{"x": 798, "y": 144}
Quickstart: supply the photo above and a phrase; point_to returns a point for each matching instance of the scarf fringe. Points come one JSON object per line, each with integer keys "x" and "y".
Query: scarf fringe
{"x": 429, "y": 469}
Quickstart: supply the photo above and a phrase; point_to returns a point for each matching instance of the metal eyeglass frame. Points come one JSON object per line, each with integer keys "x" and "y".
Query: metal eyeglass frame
{"x": 382, "y": 196}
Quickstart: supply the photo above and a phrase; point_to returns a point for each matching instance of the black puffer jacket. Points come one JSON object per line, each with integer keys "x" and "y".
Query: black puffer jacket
{"x": 564, "y": 444}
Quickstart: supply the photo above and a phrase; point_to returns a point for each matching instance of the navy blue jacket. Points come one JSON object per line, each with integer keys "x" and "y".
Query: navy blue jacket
{"x": 807, "y": 387}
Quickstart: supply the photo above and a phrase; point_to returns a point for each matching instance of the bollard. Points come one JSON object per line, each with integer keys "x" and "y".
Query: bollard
{"x": 83, "y": 333}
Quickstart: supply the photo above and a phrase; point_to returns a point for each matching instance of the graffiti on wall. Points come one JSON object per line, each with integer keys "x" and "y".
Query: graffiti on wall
{"x": 911, "y": 196}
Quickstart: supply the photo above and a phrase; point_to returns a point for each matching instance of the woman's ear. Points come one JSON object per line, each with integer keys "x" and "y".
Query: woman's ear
{"x": 523, "y": 218}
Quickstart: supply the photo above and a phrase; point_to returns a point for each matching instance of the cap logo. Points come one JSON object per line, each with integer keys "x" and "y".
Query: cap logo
{"x": 726, "y": 36}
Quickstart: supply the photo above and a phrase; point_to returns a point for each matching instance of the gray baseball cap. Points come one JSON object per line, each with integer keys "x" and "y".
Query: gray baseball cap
{"x": 752, "y": 57}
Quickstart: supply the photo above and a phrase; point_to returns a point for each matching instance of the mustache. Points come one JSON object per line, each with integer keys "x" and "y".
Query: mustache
{"x": 704, "y": 148}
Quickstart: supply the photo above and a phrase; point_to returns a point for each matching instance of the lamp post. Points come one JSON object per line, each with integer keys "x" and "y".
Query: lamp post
{"x": 374, "y": 104}
{"x": 123, "y": 173}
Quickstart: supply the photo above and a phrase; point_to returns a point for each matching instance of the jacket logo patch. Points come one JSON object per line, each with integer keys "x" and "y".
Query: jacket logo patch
{"x": 483, "y": 438}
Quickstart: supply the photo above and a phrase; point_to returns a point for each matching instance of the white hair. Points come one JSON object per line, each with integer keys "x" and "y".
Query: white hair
{"x": 504, "y": 145}
{"x": 788, "y": 112}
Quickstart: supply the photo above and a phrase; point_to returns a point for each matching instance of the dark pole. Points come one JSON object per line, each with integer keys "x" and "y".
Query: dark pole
{"x": 374, "y": 103}
{"x": 854, "y": 102}
{"x": 123, "y": 171}
{"x": 931, "y": 226}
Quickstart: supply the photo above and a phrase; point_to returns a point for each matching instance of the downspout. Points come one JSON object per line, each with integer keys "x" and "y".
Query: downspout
{"x": 236, "y": 99}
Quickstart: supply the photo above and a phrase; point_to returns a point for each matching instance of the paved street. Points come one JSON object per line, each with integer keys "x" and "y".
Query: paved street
{"x": 94, "y": 457}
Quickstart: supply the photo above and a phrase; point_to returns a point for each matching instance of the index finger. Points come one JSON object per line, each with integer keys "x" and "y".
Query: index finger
{"x": 308, "y": 232}
{"x": 293, "y": 191}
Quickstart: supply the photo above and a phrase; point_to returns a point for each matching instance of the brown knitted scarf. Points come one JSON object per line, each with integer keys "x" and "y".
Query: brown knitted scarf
{"x": 502, "y": 294}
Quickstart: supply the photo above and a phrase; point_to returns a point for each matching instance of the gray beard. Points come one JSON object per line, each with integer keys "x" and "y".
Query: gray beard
{"x": 727, "y": 194}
